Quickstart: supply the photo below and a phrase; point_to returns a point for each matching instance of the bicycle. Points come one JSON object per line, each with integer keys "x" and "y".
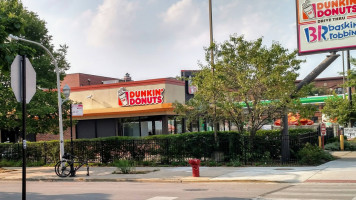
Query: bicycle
{"x": 67, "y": 166}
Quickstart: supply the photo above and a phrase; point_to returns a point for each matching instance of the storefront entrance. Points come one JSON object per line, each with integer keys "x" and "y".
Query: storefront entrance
{"x": 141, "y": 126}
{"x": 131, "y": 126}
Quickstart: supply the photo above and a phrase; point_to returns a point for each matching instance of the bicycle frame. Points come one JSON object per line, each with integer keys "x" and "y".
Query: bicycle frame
{"x": 66, "y": 167}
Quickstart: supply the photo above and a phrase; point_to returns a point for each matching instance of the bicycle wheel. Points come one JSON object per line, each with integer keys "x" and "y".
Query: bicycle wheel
{"x": 56, "y": 168}
{"x": 62, "y": 169}
{"x": 87, "y": 168}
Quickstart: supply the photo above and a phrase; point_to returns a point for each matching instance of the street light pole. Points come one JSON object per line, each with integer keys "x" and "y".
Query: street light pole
{"x": 66, "y": 92}
{"x": 61, "y": 144}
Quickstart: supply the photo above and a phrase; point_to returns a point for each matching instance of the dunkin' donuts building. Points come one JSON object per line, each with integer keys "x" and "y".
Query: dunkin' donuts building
{"x": 133, "y": 108}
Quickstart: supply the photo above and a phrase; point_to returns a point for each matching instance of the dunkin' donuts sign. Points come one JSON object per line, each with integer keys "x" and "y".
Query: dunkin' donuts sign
{"x": 326, "y": 25}
{"x": 140, "y": 97}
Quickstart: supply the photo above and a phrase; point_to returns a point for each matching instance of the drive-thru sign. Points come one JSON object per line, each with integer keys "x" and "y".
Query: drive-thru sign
{"x": 325, "y": 25}
{"x": 323, "y": 129}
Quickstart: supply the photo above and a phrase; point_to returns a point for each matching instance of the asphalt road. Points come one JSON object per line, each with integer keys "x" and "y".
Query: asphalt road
{"x": 179, "y": 191}
{"x": 135, "y": 191}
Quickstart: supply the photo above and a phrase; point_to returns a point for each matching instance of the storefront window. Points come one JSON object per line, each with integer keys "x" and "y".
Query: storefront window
{"x": 201, "y": 124}
{"x": 195, "y": 126}
{"x": 221, "y": 126}
{"x": 146, "y": 128}
{"x": 171, "y": 127}
{"x": 224, "y": 125}
{"x": 131, "y": 129}
{"x": 233, "y": 127}
{"x": 179, "y": 125}
{"x": 158, "y": 127}
{"x": 209, "y": 126}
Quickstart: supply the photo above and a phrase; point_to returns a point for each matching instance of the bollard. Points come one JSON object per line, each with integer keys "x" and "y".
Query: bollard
{"x": 195, "y": 167}
{"x": 341, "y": 142}
{"x": 319, "y": 138}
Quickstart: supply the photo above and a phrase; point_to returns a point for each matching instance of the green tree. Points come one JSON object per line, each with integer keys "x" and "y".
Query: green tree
{"x": 247, "y": 75}
{"x": 337, "y": 107}
{"x": 311, "y": 90}
{"x": 42, "y": 110}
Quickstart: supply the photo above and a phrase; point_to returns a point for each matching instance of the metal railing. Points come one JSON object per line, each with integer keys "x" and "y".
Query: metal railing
{"x": 235, "y": 148}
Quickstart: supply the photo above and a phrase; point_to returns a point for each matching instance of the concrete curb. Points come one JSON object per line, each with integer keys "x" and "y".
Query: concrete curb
{"x": 152, "y": 180}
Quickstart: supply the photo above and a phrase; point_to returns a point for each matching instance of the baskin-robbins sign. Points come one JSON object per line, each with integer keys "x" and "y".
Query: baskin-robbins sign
{"x": 140, "y": 97}
{"x": 326, "y": 25}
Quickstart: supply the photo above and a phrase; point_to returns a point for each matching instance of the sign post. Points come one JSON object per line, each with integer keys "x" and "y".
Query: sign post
{"x": 75, "y": 110}
{"x": 323, "y": 133}
{"x": 23, "y": 83}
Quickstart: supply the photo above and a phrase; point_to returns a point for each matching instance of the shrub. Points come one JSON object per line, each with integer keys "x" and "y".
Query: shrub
{"x": 313, "y": 155}
{"x": 125, "y": 166}
{"x": 10, "y": 163}
{"x": 349, "y": 146}
{"x": 334, "y": 139}
{"x": 335, "y": 146}
{"x": 236, "y": 163}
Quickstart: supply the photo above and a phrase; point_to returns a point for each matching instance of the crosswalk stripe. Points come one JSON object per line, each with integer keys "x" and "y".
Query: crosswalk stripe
{"x": 162, "y": 198}
{"x": 323, "y": 189}
{"x": 291, "y": 199}
{"x": 313, "y": 191}
{"x": 316, "y": 194}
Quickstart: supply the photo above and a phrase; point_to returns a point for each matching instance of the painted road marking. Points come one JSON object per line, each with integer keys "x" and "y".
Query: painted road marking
{"x": 162, "y": 198}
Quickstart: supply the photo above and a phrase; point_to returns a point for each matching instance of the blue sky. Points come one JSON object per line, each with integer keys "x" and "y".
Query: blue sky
{"x": 158, "y": 38}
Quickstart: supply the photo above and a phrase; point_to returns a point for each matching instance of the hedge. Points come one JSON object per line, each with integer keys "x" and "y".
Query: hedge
{"x": 167, "y": 149}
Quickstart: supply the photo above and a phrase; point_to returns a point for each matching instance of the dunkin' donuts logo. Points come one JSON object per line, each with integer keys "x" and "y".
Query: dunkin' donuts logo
{"x": 331, "y": 8}
{"x": 140, "y": 97}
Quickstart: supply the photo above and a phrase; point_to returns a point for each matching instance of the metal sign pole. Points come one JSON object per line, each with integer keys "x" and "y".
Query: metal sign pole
{"x": 71, "y": 130}
{"x": 349, "y": 92}
{"x": 23, "y": 74}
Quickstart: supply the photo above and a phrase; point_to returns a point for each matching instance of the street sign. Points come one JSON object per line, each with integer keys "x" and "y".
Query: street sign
{"x": 323, "y": 129}
{"x": 77, "y": 109}
{"x": 350, "y": 132}
{"x": 16, "y": 79}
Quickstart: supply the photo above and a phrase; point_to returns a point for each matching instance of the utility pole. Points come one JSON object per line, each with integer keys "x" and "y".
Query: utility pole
{"x": 211, "y": 36}
{"x": 212, "y": 68}
{"x": 349, "y": 92}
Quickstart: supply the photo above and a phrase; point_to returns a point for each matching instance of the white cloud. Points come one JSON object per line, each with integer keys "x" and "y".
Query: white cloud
{"x": 182, "y": 18}
{"x": 112, "y": 20}
{"x": 158, "y": 38}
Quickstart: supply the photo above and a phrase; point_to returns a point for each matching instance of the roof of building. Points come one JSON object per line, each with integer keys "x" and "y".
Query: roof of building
{"x": 81, "y": 79}
{"x": 130, "y": 84}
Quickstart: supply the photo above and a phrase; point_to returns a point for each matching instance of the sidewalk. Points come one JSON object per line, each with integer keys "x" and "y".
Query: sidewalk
{"x": 341, "y": 170}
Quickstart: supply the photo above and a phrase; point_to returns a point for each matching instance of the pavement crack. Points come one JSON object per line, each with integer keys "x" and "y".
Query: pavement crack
{"x": 273, "y": 191}
{"x": 315, "y": 174}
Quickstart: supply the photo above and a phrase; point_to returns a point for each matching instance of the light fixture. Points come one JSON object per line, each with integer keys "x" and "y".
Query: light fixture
{"x": 66, "y": 91}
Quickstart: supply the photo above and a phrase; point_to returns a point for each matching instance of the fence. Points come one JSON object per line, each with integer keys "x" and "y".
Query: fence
{"x": 231, "y": 147}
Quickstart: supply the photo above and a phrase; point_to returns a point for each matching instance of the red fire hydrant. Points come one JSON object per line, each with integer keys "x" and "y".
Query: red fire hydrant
{"x": 195, "y": 166}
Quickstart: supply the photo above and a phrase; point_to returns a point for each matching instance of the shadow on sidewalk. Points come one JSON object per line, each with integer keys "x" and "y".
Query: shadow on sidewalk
{"x": 37, "y": 196}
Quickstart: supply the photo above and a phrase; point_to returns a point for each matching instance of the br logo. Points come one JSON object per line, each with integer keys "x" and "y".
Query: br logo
{"x": 316, "y": 33}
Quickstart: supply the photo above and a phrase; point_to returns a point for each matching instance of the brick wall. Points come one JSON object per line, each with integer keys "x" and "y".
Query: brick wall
{"x": 72, "y": 80}
{"x": 79, "y": 79}
{"x": 48, "y": 137}
{"x": 330, "y": 82}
